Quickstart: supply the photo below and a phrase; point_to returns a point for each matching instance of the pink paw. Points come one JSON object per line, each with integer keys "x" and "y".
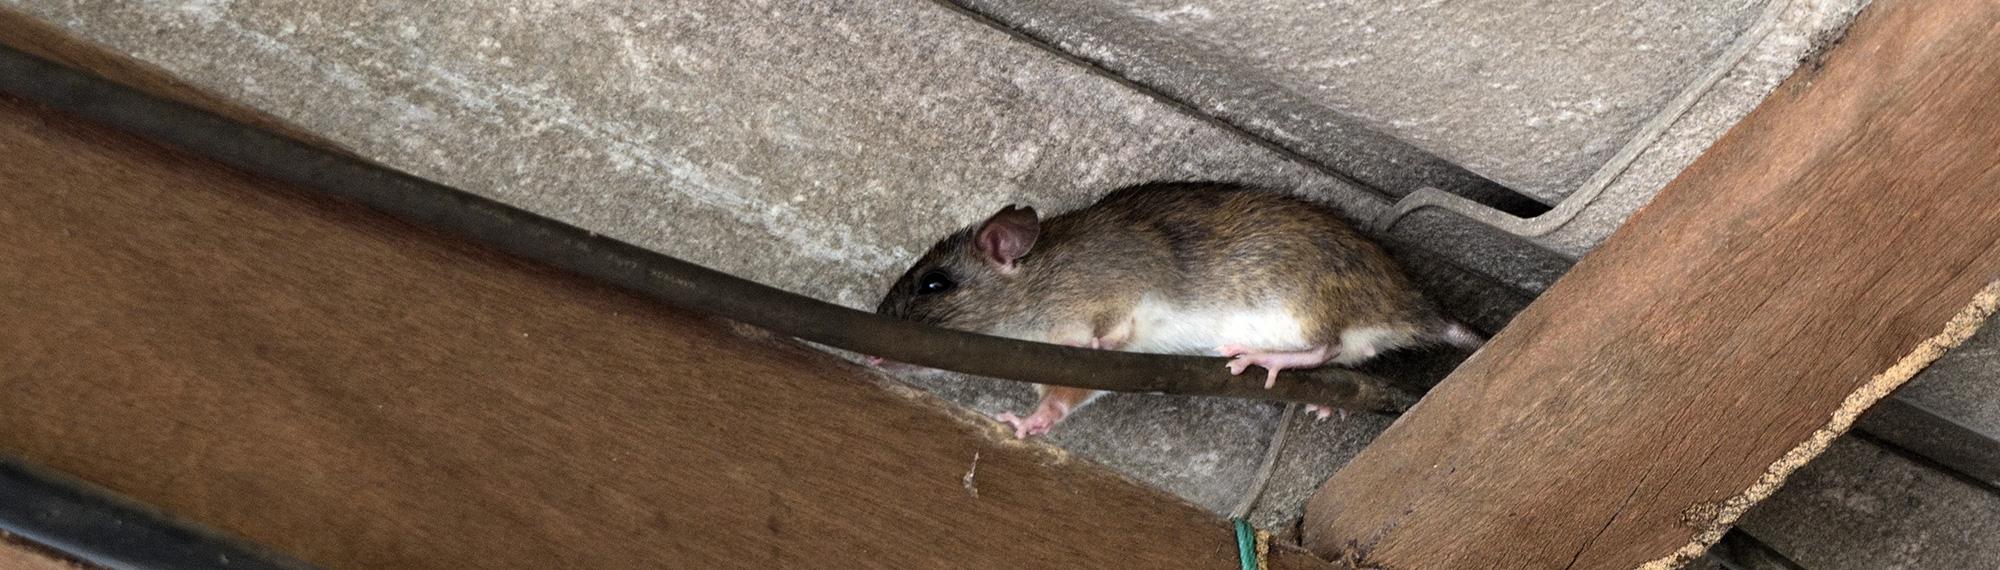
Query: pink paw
{"x": 1322, "y": 412}
{"x": 1242, "y": 358}
{"x": 1024, "y": 428}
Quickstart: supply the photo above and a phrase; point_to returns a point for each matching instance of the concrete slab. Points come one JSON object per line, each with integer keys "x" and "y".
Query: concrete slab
{"x": 1803, "y": 29}
{"x": 1533, "y": 96}
{"x": 1540, "y": 98}
{"x": 1862, "y": 507}
{"x": 1217, "y": 82}
{"x": 1964, "y": 384}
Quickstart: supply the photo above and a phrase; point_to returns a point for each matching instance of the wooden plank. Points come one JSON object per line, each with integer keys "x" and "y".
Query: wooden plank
{"x": 362, "y": 393}
{"x": 1818, "y": 255}
{"x": 16, "y": 554}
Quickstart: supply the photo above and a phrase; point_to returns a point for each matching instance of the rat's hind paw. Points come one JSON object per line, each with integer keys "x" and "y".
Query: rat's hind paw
{"x": 1242, "y": 358}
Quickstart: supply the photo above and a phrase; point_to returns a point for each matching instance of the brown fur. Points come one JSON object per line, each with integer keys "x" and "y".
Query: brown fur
{"x": 1207, "y": 243}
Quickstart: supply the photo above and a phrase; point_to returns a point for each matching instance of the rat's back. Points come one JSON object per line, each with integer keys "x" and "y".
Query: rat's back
{"x": 1218, "y": 243}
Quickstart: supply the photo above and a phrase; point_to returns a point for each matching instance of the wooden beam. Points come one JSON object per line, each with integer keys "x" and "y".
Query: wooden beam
{"x": 16, "y": 554}
{"x": 362, "y": 393}
{"x": 1821, "y": 253}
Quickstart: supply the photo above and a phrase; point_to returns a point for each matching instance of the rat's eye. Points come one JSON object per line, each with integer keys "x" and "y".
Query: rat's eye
{"x": 936, "y": 281}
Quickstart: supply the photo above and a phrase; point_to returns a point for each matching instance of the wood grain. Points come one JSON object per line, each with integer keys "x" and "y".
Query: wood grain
{"x": 1800, "y": 269}
{"x": 361, "y": 393}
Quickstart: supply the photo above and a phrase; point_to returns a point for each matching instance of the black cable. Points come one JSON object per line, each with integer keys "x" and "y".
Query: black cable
{"x": 87, "y": 522}
{"x": 651, "y": 274}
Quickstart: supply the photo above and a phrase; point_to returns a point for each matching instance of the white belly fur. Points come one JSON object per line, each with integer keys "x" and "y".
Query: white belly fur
{"x": 1358, "y": 344}
{"x": 1162, "y": 328}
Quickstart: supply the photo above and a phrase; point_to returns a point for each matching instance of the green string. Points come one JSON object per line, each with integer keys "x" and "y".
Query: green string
{"x": 1246, "y": 544}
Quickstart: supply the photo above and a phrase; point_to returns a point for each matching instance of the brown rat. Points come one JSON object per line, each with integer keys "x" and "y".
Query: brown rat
{"x": 1198, "y": 268}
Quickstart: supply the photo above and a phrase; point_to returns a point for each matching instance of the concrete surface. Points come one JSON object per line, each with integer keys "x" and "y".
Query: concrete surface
{"x": 1533, "y": 96}
{"x": 818, "y": 148}
{"x": 1803, "y": 29}
{"x": 1215, "y": 81}
{"x": 1964, "y": 384}
{"x": 1862, "y": 507}
{"x": 1537, "y": 97}
{"x": 1866, "y": 505}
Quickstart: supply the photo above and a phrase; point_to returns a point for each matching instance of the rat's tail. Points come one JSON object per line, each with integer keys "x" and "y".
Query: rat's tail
{"x": 1455, "y": 333}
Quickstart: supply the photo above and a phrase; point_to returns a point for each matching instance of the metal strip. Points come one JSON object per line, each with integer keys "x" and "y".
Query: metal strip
{"x": 1739, "y": 551}
{"x": 1952, "y": 446}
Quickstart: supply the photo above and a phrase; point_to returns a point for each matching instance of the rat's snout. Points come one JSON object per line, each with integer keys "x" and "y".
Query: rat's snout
{"x": 876, "y": 360}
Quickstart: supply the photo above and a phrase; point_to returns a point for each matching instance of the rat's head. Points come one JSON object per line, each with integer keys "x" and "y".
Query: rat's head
{"x": 970, "y": 280}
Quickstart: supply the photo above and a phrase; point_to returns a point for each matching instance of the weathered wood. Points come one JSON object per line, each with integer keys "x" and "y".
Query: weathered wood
{"x": 16, "y": 554}
{"x": 1817, "y": 256}
{"x": 365, "y": 394}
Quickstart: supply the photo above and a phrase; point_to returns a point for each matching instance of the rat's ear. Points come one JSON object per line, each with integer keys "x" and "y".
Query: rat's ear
{"x": 1006, "y": 236}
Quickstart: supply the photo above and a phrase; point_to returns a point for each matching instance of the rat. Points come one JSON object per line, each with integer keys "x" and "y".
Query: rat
{"x": 1261, "y": 277}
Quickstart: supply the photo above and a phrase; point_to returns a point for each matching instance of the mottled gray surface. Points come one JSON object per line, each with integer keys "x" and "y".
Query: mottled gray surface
{"x": 1222, "y": 83}
{"x": 1801, "y": 32}
{"x": 1536, "y": 96}
{"x": 1964, "y": 384}
{"x": 1533, "y": 95}
{"x": 1861, "y": 507}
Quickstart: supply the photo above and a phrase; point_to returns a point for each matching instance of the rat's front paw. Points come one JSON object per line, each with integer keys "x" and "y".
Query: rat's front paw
{"x": 1027, "y": 427}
